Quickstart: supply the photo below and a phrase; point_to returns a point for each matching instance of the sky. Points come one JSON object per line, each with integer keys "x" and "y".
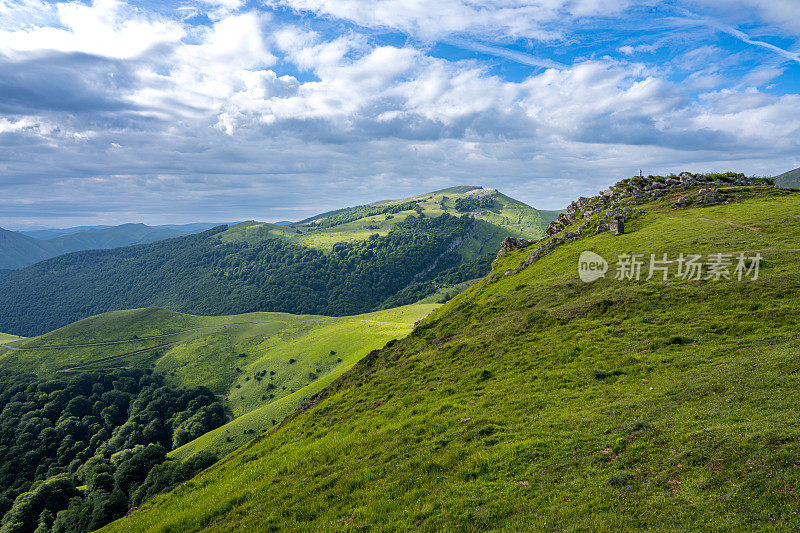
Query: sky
{"x": 223, "y": 110}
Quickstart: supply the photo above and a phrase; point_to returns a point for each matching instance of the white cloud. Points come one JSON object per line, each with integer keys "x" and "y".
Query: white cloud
{"x": 433, "y": 20}
{"x": 249, "y": 114}
{"x": 106, "y": 28}
{"x": 781, "y": 13}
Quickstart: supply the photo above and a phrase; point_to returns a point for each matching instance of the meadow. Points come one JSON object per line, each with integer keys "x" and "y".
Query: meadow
{"x": 534, "y": 401}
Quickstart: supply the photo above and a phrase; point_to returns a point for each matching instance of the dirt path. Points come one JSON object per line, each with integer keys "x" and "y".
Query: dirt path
{"x": 111, "y": 358}
{"x": 728, "y": 222}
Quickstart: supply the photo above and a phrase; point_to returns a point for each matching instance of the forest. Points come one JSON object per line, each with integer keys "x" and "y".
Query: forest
{"x": 77, "y": 452}
{"x": 200, "y": 274}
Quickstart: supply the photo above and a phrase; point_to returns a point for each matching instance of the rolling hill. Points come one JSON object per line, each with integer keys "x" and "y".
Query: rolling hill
{"x": 134, "y": 402}
{"x": 789, "y": 179}
{"x": 346, "y": 262}
{"x": 534, "y": 400}
{"x": 264, "y": 362}
{"x": 20, "y": 249}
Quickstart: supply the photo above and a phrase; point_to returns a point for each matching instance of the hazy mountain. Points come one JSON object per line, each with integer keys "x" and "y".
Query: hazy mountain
{"x": 22, "y": 248}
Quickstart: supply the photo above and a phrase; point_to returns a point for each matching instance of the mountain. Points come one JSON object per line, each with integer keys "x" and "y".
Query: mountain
{"x": 346, "y": 262}
{"x": 534, "y": 400}
{"x": 20, "y": 249}
{"x": 49, "y": 233}
{"x": 789, "y": 179}
{"x": 180, "y": 229}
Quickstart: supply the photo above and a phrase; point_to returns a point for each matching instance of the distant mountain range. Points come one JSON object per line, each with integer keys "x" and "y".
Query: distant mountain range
{"x": 344, "y": 262}
{"x": 22, "y": 248}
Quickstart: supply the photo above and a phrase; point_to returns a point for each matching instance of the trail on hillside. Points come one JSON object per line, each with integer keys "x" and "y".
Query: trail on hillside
{"x": 331, "y": 319}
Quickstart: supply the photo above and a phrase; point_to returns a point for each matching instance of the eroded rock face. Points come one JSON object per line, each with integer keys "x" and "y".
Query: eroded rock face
{"x": 513, "y": 243}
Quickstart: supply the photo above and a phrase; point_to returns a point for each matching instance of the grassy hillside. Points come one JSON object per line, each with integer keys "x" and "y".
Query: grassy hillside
{"x": 503, "y": 216}
{"x": 267, "y": 362}
{"x": 789, "y": 179}
{"x": 536, "y": 401}
{"x": 7, "y": 337}
{"x": 353, "y": 261}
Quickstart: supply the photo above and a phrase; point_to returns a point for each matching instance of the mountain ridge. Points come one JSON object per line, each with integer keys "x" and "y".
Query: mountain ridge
{"x": 354, "y": 261}
{"x": 534, "y": 400}
{"x": 19, "y": 249}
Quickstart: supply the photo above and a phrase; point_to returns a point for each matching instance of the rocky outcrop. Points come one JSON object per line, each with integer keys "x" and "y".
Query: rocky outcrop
{"x": 703, "y": 197}
{"x": 562, "y": 221}
{"x": 513, "y": 243}
{"x": 607, "y": 212}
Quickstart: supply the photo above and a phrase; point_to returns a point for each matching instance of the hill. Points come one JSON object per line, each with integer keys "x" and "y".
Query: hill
{"x": 789, "y": 179}
{"x": 347, "y": 262}
{"x": 535, "y": 401}
{"x": 20, "y": 249}
{"x": 182, "y": 374}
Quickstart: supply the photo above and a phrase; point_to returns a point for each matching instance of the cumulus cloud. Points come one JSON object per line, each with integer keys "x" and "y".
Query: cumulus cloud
{"x": 125, "y": 114}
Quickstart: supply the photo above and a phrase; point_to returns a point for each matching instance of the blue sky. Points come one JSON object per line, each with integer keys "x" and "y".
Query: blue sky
{"x": 221, "y": 110}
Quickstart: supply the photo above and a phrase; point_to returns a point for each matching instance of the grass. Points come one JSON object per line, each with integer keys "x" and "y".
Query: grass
{"x": 538, "y": 402}
{"x": 246, "y": 358}
{"x": 7, "y": 337}
{"x": 506, "y": 217}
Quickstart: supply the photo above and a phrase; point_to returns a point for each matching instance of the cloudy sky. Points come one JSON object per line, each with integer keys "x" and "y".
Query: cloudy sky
{"x": 223, "y": 110}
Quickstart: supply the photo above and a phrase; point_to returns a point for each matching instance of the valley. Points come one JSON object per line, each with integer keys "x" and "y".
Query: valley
{"x": 352, "y": 261}
{"x": 263, "y": 365}
{"x": 522, "y": 398}
{"x": 534, "y": 400}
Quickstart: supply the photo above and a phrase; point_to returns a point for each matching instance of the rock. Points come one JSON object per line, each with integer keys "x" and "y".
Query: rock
{"x": 513, "y": 243}
{"x": 617, "y": 226}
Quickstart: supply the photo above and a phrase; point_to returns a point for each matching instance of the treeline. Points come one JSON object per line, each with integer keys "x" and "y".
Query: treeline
{"x": 200, "y": 274}
{"x": 466, "y": 204}
{"x": 78, "y": 452}
{"x": 343, "y": 216}
{"x": 477, "y": 268}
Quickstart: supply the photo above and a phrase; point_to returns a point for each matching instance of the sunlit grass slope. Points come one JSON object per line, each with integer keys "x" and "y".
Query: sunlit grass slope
{"x": 268, "y": 362}
{"x": 538, "y": 402}
{"x": 506, "y": 216}
{"x": 7, "y": 337}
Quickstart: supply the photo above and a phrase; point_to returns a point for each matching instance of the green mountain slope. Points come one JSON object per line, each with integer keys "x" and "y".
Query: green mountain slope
{"x": 789, "y": 179}
{"x": 536, "y": 401}
{"x": 267, "y": 362}
{"x": 359, "y": 260}
{"x": 18, "y": 250}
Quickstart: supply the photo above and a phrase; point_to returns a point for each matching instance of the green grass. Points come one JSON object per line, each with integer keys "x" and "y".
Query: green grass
{"x": 7, "y": 337}
{"x": 506, "y": 217}
{"x": 538, "y": 402}
{"x": 259, "y": 345}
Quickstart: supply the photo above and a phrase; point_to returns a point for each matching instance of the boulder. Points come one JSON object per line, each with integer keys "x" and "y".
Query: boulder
{"x": 513, "y": 243}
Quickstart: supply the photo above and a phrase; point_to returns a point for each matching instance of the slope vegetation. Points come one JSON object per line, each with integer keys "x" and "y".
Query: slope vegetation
{"x": 353, "y": 261}
{"x": 536, "y": 401}
{"x": 264, "y": 362}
